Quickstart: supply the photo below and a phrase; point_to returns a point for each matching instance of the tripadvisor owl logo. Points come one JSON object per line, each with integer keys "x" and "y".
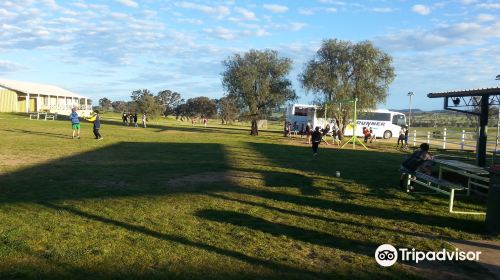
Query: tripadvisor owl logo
{"x": 386, "y": 255}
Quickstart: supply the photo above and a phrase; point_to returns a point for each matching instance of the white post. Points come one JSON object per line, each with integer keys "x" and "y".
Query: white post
{"x": 49, "y": 102}
{"x": 462, "y": 143}
{"x": 444, "y": 139}
{"x": 414, "y": 138}
{"x": 27, "y": 103}
{"x": 428, "y": 137}
{"x": 85, "y": 103}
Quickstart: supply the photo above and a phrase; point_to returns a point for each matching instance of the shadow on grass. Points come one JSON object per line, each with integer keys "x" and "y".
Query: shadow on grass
{"x": 181, "y": 240}
{"x": 41, "y": 133}
{"x": 297, "y": 233}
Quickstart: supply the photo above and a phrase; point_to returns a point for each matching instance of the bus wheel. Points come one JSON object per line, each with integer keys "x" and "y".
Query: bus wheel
{"x": 387, "y": 134}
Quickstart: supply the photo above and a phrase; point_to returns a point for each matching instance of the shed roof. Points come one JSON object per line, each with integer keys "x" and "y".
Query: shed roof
{"x": 35, "y": 88}
{"x": 467, "y": 92}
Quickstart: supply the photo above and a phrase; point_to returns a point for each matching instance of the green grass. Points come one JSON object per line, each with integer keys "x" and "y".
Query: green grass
{"x": 181, "y": 202}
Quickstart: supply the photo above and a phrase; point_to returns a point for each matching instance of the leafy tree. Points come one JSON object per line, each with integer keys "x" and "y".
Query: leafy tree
{"x": 182, "y": 111}
{"x": 227, "y": 109}
{"x": 341, "y": 70}
{"x": 119, "y": 106}
{"x": 105, "y": 104}
{"x": 145, "y": 102}
{"x": 169, "y": 100}
{"x": 202, "y": 106}
{"x": 257, "y": 81}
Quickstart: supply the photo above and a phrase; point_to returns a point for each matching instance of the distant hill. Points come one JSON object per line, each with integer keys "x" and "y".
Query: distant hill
{"x": 417, "y": 111}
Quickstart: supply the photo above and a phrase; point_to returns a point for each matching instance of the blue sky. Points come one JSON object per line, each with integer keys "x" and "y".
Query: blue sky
{"x": 109, "y": 48}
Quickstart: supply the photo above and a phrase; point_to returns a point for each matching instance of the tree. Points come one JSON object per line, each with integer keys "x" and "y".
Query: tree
{"x": 105, "y": 104}
{"x": 202, "y": 106}
{"x": 227, "y": 109}
{"x": 119, "y": 106}
{"x": 257, "y": 81}
{"x": 169, "y": 100}
{"x": 341, "y": 70}
{"x": 145, "y": 102}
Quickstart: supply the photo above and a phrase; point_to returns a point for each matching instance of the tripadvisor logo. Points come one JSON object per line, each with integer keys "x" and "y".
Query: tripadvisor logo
{"x": 387, "y": 255}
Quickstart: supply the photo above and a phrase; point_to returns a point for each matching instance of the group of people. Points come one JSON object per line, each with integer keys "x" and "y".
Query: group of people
{"x": 205, "y": 121}
{"x": 130, "y": 119}
{"x": 94, "y": 119}
{"x": 307, "y": 130}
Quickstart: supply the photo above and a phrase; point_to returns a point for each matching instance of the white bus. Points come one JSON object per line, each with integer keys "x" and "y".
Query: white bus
{"x": 384, "y": 123}
{"x": 302, "y": 114}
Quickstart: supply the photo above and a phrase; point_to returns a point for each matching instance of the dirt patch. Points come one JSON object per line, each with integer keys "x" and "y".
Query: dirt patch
{"x": 214, "y": 177}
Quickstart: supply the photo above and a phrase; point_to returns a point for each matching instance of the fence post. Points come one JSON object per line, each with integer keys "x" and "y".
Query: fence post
{"x": 414, "y": 138}
{"x": 428, "y": 137}
{"x": 444, "y": 139}
{"x": 462, "y": 143}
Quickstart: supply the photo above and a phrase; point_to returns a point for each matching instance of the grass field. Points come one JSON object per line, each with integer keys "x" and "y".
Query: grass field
{"x": 179, "y": 202}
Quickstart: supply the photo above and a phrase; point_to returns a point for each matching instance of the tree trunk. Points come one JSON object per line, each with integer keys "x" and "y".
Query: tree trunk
{"x": 255, "y": 128}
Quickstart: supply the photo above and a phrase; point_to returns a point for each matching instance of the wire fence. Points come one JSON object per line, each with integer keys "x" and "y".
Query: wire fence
{"x": 452, "y": 140}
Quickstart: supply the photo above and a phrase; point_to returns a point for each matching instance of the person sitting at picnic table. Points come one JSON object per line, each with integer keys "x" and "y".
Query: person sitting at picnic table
{"x": 418, "y": 161}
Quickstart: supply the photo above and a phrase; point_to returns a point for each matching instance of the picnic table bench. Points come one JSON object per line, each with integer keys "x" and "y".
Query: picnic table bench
{"x": 47, "y": 115}
{"x": 476, "y": 176}
{"x": 437, "y": 184}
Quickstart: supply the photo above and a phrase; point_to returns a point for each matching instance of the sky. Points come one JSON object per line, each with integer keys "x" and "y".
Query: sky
{"x": 109, "y": 48}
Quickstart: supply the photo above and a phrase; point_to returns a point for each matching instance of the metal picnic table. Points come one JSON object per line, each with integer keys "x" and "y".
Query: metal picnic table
{"x": 477, "y": 176}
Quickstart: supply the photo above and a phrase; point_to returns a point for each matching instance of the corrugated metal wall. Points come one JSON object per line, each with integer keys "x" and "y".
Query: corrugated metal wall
{"x": 8, "y": 100}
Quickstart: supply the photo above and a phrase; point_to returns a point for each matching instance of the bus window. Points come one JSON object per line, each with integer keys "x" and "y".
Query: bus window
{"x": 299, "y": 111}
{"x": 398, "y": 120}
{"x": 375, "y": 116}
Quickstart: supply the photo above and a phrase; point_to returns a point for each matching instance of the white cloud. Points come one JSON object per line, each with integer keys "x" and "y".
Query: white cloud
{"x": 7, "y": 66}
{"x": 490, "y": 6}
{"x": 456, "y": 35}
{"x": 276, "y": 8}
{"x": 221, "y": 33}
{"x": 383, "y": 10}
{"x": 468, "y": 2}
{"x": 247, "y": 14}
{"x": 421, "y": 9}
{"x": 331, "y": 10}
{"x": 128, "y": 3}
{"x": 296, "y": 26}
{"x": 306, "y": 11}
{"x": 216, "y": 11}
{"x": 485, "y": 17}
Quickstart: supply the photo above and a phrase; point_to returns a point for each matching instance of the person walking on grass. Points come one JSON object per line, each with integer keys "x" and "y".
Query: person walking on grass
{"x": 96, "y": 120}
{"x": 205, "y": 121}
{"x": 406, "y": 136}
{"x": 75, "y": 123}
{"x": 144, "y": 119}
{"x": 316, "y": 139}
{"x": 401, "y": 137}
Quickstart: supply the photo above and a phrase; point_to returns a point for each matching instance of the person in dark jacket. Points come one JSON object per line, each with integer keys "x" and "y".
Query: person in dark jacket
{"x": 124, "y": 119}
{"x": 135, "y": 119}
{"x": 316, "y": 139}
{"x": 96, "y": 120}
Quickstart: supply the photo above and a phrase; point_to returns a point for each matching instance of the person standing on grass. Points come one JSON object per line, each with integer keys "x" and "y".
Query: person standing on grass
{"x": 372, "y": 138}
{"x": 75, "y": 123}
{"x": 144, "y": 119}
{"x": 316, "y": 139}
{"x": 205, "y": 121}
{"x": 97, "y": 124}
{"x": 401, "y": 137}
{"x": 406, "y": 136}
{"x": 135, "y": 120}
{"x": 308, "y": 133}
{"x": 124, "y": 119}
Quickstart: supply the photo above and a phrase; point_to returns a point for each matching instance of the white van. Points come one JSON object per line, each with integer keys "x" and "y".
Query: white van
{"x": 384, "y": 123}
